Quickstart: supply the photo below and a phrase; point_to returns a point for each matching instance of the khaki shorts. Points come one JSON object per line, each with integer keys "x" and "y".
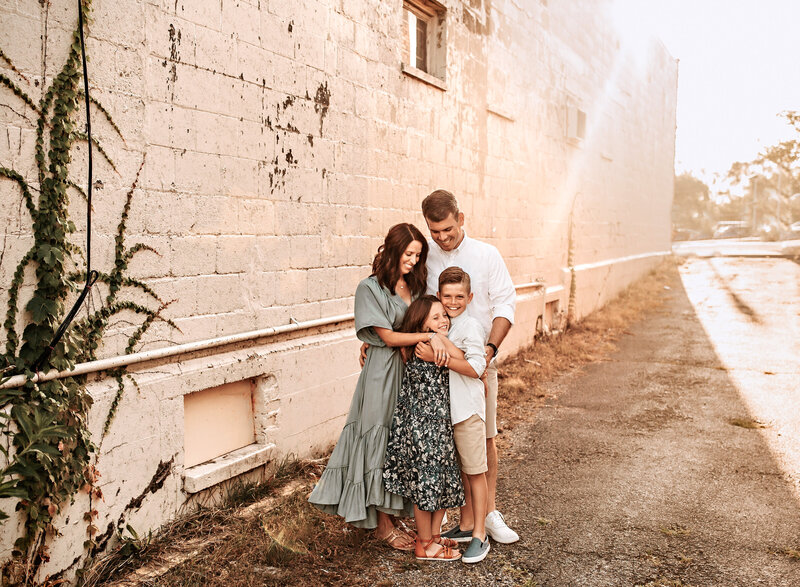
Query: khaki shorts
{"x": 491, "y": 400}
{"x": 470, "y": 437}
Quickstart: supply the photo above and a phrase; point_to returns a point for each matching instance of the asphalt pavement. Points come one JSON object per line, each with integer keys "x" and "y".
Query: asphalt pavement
{"x": 674, "y": 462}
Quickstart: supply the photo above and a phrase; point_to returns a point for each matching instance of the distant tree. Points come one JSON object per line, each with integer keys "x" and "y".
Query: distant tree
{"x": 691, "y": 205}
{"x": 777, "y": 169}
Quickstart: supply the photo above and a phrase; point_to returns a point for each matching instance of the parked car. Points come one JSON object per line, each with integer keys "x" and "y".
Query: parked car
{"x": 769, "y": 232}
{"x": 792, "y": 233}
{"x": 731, "y": 229}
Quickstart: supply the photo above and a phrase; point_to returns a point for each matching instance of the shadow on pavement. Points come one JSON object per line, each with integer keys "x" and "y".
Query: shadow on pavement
{"x": 634, "y": 475}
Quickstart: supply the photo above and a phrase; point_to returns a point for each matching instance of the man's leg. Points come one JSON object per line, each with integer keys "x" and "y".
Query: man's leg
{"x": 496, "y": 526}
{"x": 491, "y": 473}
{"x": 491, "y": 432}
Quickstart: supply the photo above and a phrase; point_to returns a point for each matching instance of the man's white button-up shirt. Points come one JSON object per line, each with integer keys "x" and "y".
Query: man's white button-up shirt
{"x": 494, "y": 293}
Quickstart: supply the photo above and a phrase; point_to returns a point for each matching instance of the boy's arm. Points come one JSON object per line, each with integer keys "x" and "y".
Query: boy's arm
{"x": 463, "y": 367}
{"x": 474, "y": 362}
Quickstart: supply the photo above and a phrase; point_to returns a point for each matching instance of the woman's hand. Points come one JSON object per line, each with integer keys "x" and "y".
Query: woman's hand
{"x": 439, "y": 350}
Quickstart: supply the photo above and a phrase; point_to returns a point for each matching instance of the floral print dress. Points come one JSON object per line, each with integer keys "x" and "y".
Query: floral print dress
{"x": 421, "y": 460}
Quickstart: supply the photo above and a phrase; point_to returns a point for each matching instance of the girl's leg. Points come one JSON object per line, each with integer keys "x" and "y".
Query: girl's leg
{"x": 425, "y": 546}
{"x": 423, "y": 520}
{"x": 436, "y": 520}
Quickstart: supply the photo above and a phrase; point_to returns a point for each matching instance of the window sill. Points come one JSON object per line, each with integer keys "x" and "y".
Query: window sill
{"x": 500, "y": 113}
{"x": 226, "y": 467}
{"x": 429, "y": 79}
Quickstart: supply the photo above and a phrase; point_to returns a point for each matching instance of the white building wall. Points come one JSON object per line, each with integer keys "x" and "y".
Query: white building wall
{"x": 281, "y": 140}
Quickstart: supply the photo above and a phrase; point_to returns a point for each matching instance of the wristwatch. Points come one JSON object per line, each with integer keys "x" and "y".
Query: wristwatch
{"x": 494, "y": 348}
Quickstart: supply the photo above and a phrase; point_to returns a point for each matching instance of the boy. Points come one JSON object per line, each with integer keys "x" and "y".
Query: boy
{"x": 467, "y": 406}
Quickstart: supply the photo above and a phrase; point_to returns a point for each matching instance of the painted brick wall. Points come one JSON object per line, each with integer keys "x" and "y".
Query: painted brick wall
{"x": 281, "y": 140}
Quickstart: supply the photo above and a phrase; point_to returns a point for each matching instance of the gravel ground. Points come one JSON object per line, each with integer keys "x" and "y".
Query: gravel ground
{"x": 634, "y": 474}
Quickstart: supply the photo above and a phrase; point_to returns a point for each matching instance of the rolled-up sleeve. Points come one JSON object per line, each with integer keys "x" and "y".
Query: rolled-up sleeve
{"x": 502, "y": 295}
{"x": 474, "y": 351}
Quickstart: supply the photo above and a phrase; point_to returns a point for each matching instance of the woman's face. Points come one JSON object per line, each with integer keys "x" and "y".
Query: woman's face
{"x": 410, "y": 257}
{"x": 437, "y": 320}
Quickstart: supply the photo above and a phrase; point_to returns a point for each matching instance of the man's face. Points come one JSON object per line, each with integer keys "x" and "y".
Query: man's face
{"x": 447, "y": 233}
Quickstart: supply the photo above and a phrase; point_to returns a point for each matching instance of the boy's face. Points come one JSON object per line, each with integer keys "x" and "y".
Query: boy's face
{"x": 455, "y": 298}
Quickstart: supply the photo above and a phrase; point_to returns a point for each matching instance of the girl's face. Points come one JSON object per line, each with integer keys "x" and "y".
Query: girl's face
{"x": 437, "y": 320}
{"x": 410, "y": 257}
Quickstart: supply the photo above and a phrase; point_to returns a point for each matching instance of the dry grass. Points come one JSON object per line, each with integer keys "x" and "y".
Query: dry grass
{"x": 269, "y": 534}
{"x": 524, "y": 376}
{"x": 676, "y": 530}
{"x": 792, "y": 554}
{"x": 748, "y": 423}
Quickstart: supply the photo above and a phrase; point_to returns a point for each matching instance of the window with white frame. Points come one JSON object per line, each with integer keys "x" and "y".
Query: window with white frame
{"x": 424, "y": 41}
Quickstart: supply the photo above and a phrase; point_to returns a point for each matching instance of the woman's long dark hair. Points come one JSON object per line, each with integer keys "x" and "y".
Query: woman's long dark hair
{"x": 386, "y": 265}
{"x": 415, "y": 318}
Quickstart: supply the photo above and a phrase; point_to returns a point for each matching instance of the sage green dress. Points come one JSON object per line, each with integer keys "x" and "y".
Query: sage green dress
{"x": 352, "y": 484}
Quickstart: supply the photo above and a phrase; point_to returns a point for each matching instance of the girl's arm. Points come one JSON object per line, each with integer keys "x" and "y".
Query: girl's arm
{"x": 424, "y": 352}
{"x": 395, "y": 339}
{"x": 455, "y": 359}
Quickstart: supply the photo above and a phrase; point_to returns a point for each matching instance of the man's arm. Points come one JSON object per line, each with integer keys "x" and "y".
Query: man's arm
{"x": 500, "y": 328}
{"x": 502, "y": 301}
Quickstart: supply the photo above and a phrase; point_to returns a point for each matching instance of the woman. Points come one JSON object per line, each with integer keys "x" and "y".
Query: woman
{"x": 352, "y": 484}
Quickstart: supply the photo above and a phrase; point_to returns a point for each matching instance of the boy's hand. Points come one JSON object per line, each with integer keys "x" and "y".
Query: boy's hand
{"x": 485, "y": 380}
{"x": 362, "y": 356}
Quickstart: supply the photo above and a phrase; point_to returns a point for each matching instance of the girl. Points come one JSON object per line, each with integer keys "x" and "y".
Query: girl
{"x": 352, "y": 484}
{"x": 421, "y": 457}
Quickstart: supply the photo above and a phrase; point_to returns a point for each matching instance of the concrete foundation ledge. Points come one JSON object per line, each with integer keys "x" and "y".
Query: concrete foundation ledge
{"x": 227, "y": 466}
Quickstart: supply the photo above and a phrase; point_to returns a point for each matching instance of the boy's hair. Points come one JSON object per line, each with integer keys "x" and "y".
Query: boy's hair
{"x": 455, "y": 275}
{"x": 439, "y": 205}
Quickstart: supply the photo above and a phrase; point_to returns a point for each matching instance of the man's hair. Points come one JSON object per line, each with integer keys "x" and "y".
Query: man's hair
{"x": 439, "y": 205}
{"x": 455, "y": 275}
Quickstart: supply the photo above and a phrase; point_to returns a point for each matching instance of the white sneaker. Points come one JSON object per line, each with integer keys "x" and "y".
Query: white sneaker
{"x": 497, "y": 528}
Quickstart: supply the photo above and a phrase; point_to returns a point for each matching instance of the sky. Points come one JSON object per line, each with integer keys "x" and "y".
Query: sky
{"x": 739, "y": 67}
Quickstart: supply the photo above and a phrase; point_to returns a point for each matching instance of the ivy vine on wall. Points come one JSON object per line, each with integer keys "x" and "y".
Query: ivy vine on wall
{"x": 49, "y": 455}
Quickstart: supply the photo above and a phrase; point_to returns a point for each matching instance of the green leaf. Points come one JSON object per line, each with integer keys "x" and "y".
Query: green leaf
{"x": 42, "y": 309}
{"x": 47, "y": 449}
{"x": 23, "y": 421}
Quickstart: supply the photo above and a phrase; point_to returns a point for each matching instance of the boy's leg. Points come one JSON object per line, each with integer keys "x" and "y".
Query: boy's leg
{"x": 466, "y": 521}
{"x": 477, "y": 484}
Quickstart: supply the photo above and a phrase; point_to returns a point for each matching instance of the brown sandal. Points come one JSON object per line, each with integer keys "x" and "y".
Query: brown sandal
{"x": 403, "y": 527}
{"x": 395, "y": 538}
{"x": 449, "y": 542}
{"x": 445, "y": 553}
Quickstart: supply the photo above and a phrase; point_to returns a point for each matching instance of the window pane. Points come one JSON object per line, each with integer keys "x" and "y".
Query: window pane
{"x": 411, "y": 24}
{"x": 422, "y": 52}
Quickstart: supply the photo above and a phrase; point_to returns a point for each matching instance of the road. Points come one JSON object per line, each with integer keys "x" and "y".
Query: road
{"x": 640, "y": 471}
{"x": 748, "y": 247}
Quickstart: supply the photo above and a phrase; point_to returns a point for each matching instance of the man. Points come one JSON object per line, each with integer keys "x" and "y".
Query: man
{"x": 493, "y": 306}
